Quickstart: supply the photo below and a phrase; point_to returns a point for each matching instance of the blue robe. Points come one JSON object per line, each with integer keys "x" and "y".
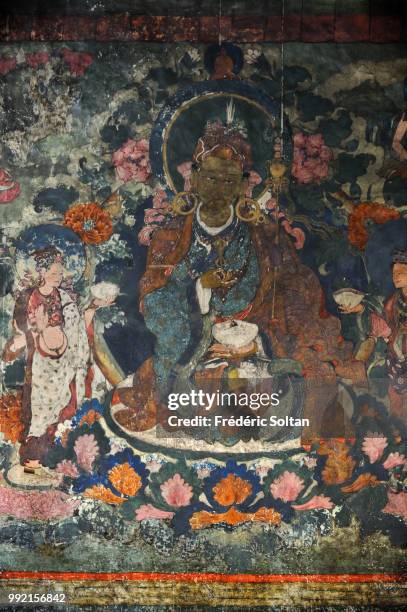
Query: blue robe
{"x": 172, "y": 313}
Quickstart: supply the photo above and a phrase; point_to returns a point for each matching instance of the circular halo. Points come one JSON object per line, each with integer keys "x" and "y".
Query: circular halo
{"x": 183, "y": 120}
{"x": 62, "y": 238}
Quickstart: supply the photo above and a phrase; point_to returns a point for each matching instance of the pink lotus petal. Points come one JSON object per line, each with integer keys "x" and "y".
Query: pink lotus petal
{"x": 374, "y": 447}
{"x": 315, "y": 503}
{"x": 287, "y": 487}
{"x": 86, "y": 449}
{"x": 40, "y": 505}
{"x": 393, "y": 460}
{"x": 67, "y": 468}
{"x": 147, "y": 511}
{"x": 397, "y": 504}
{"x": 176, "y": 492}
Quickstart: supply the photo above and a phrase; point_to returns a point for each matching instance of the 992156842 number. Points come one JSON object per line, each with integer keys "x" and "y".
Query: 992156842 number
{"x": 36, "y": 598}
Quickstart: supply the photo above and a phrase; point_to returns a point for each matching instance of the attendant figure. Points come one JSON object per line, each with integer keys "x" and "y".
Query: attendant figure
{"x": 52, "y": 332}
{"x": 389, "y": 324}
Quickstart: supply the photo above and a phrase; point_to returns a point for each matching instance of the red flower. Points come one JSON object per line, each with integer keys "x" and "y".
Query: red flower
{"x": 90, "y": 222}
{"x": 7, "y": 64}
{"x": 357, "y": 232}
{"x": 77, "y": 62}
{"x": 34, "y": 60}
{"x": 9, "y": 189}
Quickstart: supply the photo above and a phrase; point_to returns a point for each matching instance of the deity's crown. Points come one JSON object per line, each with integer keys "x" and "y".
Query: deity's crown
{"x": 227, "y": 140}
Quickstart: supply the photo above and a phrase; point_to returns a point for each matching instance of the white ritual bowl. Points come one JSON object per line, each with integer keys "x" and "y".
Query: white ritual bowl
{"x": 105, "y": 291}
{"x": 235, "y": 334}
{"x": 348, "y": 298}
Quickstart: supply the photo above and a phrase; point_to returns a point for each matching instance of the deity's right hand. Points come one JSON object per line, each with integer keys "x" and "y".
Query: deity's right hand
{"x": 213, "y": 279}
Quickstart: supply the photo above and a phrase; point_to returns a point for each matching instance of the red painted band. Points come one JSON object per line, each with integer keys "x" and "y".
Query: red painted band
{"x": 203, "y": 577}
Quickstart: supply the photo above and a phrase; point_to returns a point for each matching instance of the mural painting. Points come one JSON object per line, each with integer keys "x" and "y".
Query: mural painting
{"x": 180, "y": 219}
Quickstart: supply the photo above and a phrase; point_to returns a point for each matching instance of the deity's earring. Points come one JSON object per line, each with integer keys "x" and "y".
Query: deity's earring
{"x": 184, "y": 203}
{"x": 249, "y": 210}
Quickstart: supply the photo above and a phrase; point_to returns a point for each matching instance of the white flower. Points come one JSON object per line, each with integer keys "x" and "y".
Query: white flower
{"x": 252, "y": 56}
{"x": 62, "y": 428}
{"x": 129, "y": 220}
{"x": 194, "y": 55}
{"x": 117, "y": 445}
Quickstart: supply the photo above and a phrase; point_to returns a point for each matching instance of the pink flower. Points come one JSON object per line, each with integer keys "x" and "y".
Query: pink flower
{"x": 311, "y": 158}
{"x": 397, "y": 504}
{"x": 7, "y": 64}
{"x": 40, "y": 505}
{"x": 314, "y": 144}
{"x": 147, "y": 511}
{"x": 132, "y": 161}
{"x": 185, "y": 171}
{"x": 203, "y": 472}
{"x": 145, "y": 234}
{"x": 296, "y": 232}
{"x": 67, "y": 468}
{"x": 86, "y": 449}
{"x": 34, "y": 60}
{"x": 154, "y": 465}
{"x": 287, "y": 487}
{"x": 380, "y": 329}
{"x": 374, "y": 447}
{"x": 299, "y": 141}
{"x": 9, "y": 189}
{"x": 393, "y": 460}
{"x": 153, "y": 215}
{"x": 310, "y": 462}
{"x": 78, "y": 63}
{"x": 325, "y": 154}
{"x": 176, "y": 492}
{"x": 316, "y": 503}
{"x": 160, "y": 199}
{"x": 254, "y": 179}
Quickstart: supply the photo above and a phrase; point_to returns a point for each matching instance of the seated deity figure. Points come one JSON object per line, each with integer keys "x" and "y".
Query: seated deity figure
{"x": 214, "y": 273}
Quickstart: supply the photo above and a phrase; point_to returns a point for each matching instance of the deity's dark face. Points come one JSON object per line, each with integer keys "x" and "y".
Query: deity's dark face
{"x": 218, "y": 182}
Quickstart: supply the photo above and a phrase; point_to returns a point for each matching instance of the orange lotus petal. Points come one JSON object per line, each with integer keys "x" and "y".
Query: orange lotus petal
{"x": 233, "y": 516}
{"x": 90, "y": 417}
{"x": 103, "y": 494}
{"x": 364, "y": 480}
{"x": 231, "y": 490}
{"x": 125, "y": 479}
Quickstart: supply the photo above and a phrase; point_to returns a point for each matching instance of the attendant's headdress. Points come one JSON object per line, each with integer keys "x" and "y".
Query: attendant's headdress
{"x": 44, "y": 258}
{"x": 399, "y": 257}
